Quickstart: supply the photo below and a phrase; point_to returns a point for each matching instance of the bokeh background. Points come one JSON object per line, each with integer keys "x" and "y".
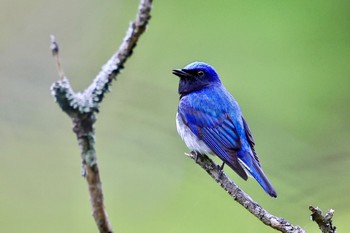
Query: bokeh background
{"x": 287, "y": 64}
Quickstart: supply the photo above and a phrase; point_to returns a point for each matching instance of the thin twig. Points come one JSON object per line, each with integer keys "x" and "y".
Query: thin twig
{"x": 241, "y": 197}
{"x": 82, "y": 108}
{"x": 55, "y": 53}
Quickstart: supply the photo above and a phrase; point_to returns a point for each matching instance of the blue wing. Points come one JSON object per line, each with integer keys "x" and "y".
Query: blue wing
{"x": 217, "y": 130}
{"x": 250, "y": 140}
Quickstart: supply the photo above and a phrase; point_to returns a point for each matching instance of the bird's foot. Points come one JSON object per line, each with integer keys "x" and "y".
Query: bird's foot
{"x": 221, "y": 168}
{"x": 195, "y": 155}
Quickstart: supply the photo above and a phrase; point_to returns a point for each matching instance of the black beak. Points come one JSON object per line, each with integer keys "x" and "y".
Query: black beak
{"x": 182, "y": 73}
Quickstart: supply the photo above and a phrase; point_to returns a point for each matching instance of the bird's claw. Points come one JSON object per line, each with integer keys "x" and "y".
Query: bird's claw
{"x": 195, "y": 155}
{"x": 221, "y": 168}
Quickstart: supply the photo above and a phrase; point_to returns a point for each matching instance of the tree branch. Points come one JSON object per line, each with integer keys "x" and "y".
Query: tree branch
{"x": 280, "y": 224}
{"x": 82, "y": 108}
{"x": 241, "y": 197}
{"x": 324, "y": 222}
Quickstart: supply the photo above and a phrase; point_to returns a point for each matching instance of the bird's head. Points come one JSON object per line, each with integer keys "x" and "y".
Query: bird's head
{"x": 196, "y": 76}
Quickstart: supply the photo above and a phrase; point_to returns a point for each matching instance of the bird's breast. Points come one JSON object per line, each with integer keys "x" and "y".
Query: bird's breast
{"x": 190, "y": 139}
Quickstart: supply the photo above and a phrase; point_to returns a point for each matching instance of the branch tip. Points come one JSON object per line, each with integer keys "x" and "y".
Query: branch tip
{"x": 54, "y": 45}
{"x": 324, "y": 222}
{"x": 55, "y": 53}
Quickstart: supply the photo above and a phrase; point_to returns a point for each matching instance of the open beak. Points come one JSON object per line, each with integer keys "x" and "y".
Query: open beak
{"x": 182, "y": 73}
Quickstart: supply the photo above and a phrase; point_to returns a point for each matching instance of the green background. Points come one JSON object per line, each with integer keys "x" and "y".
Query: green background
{"x": 286, "y": 63}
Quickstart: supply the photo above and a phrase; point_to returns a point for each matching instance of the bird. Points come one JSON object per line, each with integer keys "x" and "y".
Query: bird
{"x": 210, "y": 121}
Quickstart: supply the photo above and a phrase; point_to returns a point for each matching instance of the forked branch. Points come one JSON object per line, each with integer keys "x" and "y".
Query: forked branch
{"x": 82, "y": 108}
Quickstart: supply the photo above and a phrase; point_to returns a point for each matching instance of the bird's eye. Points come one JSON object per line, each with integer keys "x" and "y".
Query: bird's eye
{"x": 200, "y": 73}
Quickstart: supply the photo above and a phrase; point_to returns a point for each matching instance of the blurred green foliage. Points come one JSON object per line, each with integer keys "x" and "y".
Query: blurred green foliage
{"x": 287, "y": 64}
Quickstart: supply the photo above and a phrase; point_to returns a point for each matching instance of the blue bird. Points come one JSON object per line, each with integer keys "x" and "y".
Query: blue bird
{"x": 210, "y": 121}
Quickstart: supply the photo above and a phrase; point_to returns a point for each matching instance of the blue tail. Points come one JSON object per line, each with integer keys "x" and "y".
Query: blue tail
{"x": 253, "y": 167}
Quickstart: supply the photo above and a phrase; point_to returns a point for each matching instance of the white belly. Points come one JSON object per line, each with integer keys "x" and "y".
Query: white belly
{"x": 191, "y": 140}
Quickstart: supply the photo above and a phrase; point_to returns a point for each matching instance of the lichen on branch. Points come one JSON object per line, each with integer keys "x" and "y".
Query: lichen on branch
{"x": 82, "y": 107}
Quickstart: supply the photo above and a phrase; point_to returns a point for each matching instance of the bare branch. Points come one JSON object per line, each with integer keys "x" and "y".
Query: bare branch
{"x": 116, "y": 63}
{"x": 324, "y": 222}
{"x": 82, "y": 108}
{"x": 241, "y": 197}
